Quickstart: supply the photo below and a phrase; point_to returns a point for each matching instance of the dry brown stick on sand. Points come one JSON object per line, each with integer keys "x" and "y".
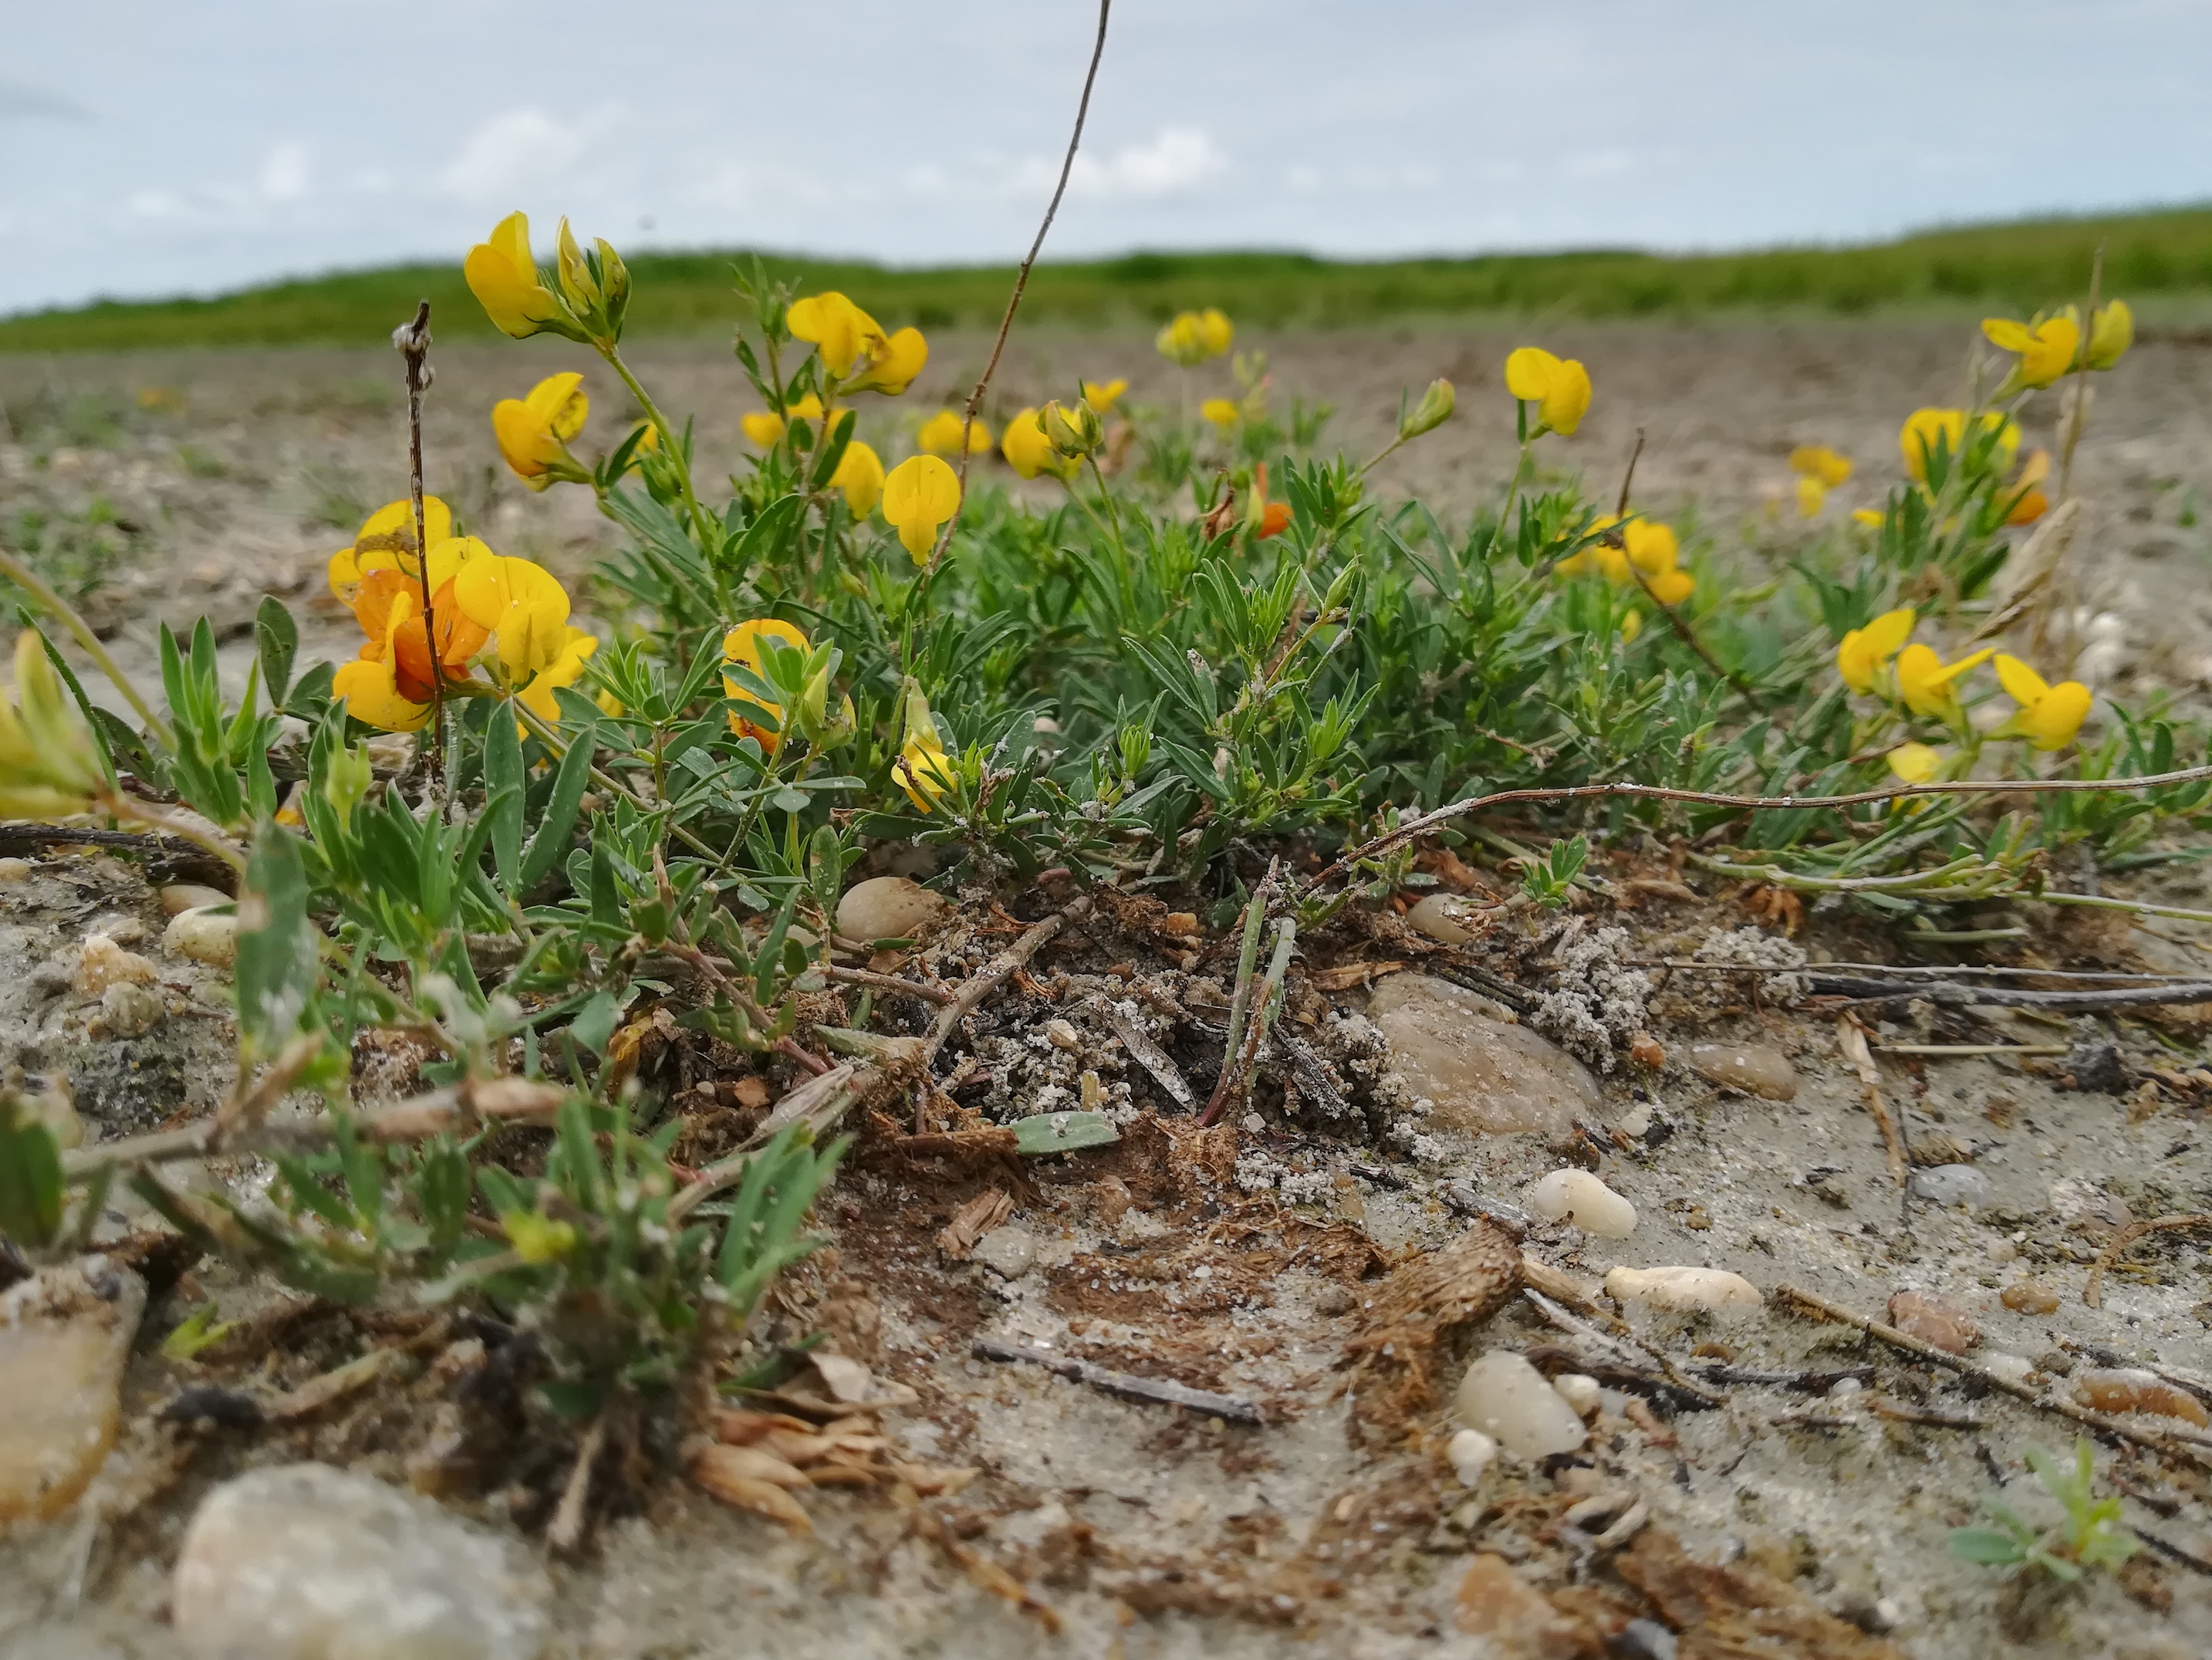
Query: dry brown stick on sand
{"x": 2092, "y": 1292}
{"x": 1851, "y": 1038}
{"x": 2171, "y": 1445}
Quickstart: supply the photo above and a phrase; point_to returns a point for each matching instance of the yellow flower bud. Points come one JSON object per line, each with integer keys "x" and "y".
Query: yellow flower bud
{"x": 1224, "y": 412}
{"x": 502, "y": 274}
{"x": 2112, "y": 332}
{"x": 1432, "y": 412}
{"x": 860, "y": 475}
{"x": 1029, "y": 451}
{"x": 1074, "y": 432}
{"x": 1914, "y": 764}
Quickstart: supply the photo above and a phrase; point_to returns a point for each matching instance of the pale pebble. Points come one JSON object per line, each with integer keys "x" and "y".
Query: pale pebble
{"x": 306, "y": 1562}
{"x": 2012, "y": 1368}
{"x": 1751, "y": 1067}
{"x": 205, "y": 936}
{"x": 1583, "y": 1394}
{"x": 1450, "y": 920}
{"x": 1576, "y": 1197}
{"x": 129, "y": 1010}
{"x": 180, "y": 897}
{"x": 1481, "y": 1072}
{"x": 1684, "y": 1290}
{"x": 14, "y": 870}
{"x": 1950, "y": 1184}
{"x": 65, "y": 1336}
{"x": 888, "y": 907}
{"x": 100, "y": 963}
{"x": 1505, "y": 1397}
{"x": 1471, "y": 1453}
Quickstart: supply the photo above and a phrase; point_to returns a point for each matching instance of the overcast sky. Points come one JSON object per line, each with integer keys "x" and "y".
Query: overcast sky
{"x": 155, "y": 146}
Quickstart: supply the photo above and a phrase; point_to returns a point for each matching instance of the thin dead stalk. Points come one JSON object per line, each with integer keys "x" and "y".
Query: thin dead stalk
{"x": 1021, "y": 283}
{"x": 413, "y": 341}
{"x": 2092, "y": 1292}
{"x": 980, "y": 985}
{"x": 1851, "y": 1038}
{"x": 2104, "y": 1423}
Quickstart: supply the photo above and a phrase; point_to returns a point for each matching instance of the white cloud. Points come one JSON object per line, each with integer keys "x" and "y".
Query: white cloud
{"x": 1177, "y": 161}
{"x": 511, "y": 153}
{"x": 285, "y": 175}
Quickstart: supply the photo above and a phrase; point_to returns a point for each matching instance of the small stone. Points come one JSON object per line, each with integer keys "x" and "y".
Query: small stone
{"x": 179, "y": 897}
{"x": 1751, "y": 1067}
{"x": 2055, "y": 1362}
{"x": 1584, "y": 1393}
{"x": 1646, "y": 1050}
{"x": 306, "y": 1562}
{"x": 1576, "y": 1197}
{"x": 1062, "y": 1036}
{"x": 888, "y": 907}
{"x": 14, "y": 870}
{"x": 1845, "y": 1388}
{"x": 1482, "y": 1073}
{"x": 2012, "y": 1368}
{"x": 205, "y": 936}
{"x": 1698, "y": 1219}
{"x": 1948, "y": 1185}
{"x": 1940, "y": 1321}
{"x": 1495, "y": 1603}
{"x": 1471, "y": 1453}
{"x": 1635, "y": 1123}
{"x": 2029, "y": 1296}
{"x": 1448, "y": 919}
{"x": 2129, "y": 1388}
{"x": 1505, "y": 1397}
{"x": 129, "y": 1010}
{"x": 1684, "y": 1290}
{"x": 64, "y": 1338}
{"x": 2094, "y": 1064}
{"x": 1010, "y": 1251}
{"x": 100, "y": 963}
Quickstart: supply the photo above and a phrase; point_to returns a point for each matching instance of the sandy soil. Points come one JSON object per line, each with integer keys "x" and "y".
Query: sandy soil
{"x": 1147, "y": 1529}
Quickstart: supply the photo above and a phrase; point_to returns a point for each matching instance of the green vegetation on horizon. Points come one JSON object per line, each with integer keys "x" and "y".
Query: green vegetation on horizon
{"x": 2014, "y": 267}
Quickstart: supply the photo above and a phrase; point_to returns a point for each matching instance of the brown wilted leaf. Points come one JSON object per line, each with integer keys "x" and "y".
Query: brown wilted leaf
{"x": 1345, "y": 976}
{"x": 746, "y": 1463}
{"x": 933, "y": 1480}
{"x": 1737, "y": 1609}
{"x": 972, "y": 1221}
{"x": 749, "y": 1092}
{"x": 847, "y": 1379}
{"x": 745, "y": 1493}
{"x": 741, "y": 1426}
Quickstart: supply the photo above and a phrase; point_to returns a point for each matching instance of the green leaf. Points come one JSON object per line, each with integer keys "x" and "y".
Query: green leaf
{"x": 30, "y": 1178}
{"x": 276, "y": 944}
{"x": 197, "y": 1331}
{"x": 596, "y": 1021}
{"x": 504, "y": 781}
{"x": 1986, "y": 1546}
{"x": 559, "y": 816}
{"x": 1063, "y": 1132}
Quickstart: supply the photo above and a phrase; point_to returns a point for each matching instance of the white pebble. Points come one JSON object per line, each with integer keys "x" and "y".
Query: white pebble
{"x": 1635, "y": 1123}
{"x": 1583, "y": 1394}
{"x": 1843, "y": 1388}
{"x": 1062, "y": 1036}
{"x": 1471, "y": 1453}
{"x": 1684, "y": 1289}
{"x": 1442, "y": 917}
{"x": 1576, "y": 1197}
{"x": 1950, "y": 1184}
{"x": 1502, "y": 1396}
{"x": 14, "y": 870}
{"x": 205, "y": 936}
{"x": 180, "y": 897}
{"x": 2012, "y": 1368}
{"x": 101, "y": 963}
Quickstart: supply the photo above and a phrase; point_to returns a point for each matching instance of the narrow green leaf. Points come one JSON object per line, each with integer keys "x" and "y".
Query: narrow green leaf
{"x": 1063, "y": 1132}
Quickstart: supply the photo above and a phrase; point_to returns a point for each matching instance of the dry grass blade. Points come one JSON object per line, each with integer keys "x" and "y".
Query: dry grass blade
{"x": 1851, "y": 1038}
{"x": 2092, "y": 1292}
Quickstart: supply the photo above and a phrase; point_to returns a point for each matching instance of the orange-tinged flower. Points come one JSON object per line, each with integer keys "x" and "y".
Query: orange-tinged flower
{"x": 920, "y": 495}
{"x": 742, "y": 644}
{"x": 2046, "y": 346}
{"x": 371, "y": 695}
{"x": 860, "y": 475}
{"x": 1560, "y": 387}
{"x": 1274, "y": 519}
{"x": 940, "y": 435}
{"x": 534, "y": 432}
{"x": 1864, "y": 652}
{"x": 502, "y": 274}
{"x": 2049, "y": 716}
{"x": 385, "y": 541}
{"x": 1914, "y": 764}
{"x": 1820, "y": 462}
{"x": 1102, "y": 395}
{"x": 1030, "y": 452}
{"x": 522, "y": 606}
{"x": 2029, "y": 502}
{"x": 1926, "y": 681}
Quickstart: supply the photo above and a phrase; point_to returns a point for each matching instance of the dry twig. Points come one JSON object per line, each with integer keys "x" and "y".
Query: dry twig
{"x": 2092, "y": 1292}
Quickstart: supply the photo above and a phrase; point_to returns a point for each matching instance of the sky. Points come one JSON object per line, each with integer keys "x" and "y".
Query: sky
{"x": 159, "y": 147}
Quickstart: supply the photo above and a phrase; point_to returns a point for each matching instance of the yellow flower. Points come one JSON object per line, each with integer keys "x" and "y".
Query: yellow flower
{"x": 1631, "y": 624}
{"x": 1030, "y": 452}
{"x": 1812, "y": 497}
{"x": 1671, "y": 587}
{"x": 537, "y": 1237}
{"x": 940, "y": 435}
{"x": 2029, "y": 503}
{"x": 1560, "y": 387}
{"x": 522, "y": 606}
{"x": 893, "y": 361}
{"x": 2049, "y": 716}
{"x": 920, "y": 495}
{"x": 534, "y": 432}
{"x": 1193, "y": 337}
{"x": 1222, "y": 412}
{"x": 385, "y": 541}
{"x": 808, "y": 408}
{"x": 837, "y": 329}
{"x": 1927, "y": 429}
{"x": 369, "y": 688}
{"x": 1818, "y": 461}
{"x": 1102, "y": 395}
{"x": 2046, "y": 347}
{"x": 1864, "y": 652}
{"x": 2112, "y": 332}
{"x": 764, "y": 428}
{"x": 1869, "y": 516}
{"x": 923, "y": 769}
{"x": 742, "y": 645}
{"x": 860, "y": 475}
{"x": 1924, "y": 679}
{"x": 1652, "y": 548}
{"x": 1914, "y": 764}
{"x": 1647, "y": 547}
{"x": 563, "y": 671}
{"x": 503, "y": 276}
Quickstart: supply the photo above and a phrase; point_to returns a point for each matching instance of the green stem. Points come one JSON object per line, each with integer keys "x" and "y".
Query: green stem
{"x": 1107, "y": 496}
{"x": 65, "y": 613}
{"x": 119, "y": 805}
{"x": 607, "y": 781}
{"x": 669, "y": 445}
{"x": 1512, "y": 494}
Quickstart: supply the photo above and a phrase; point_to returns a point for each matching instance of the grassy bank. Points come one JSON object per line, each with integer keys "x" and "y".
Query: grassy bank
{"x": 2016, "y": 265}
